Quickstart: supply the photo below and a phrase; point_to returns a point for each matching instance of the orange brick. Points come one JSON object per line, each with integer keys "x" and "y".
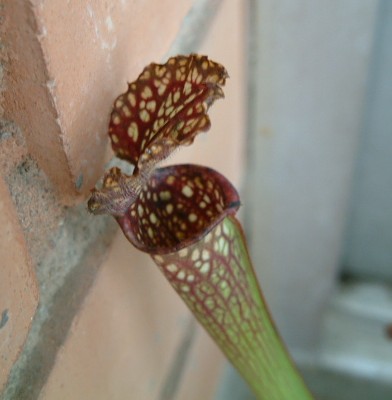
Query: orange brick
{"x": 18, "y": 289}
{"x": 121, "y": 343}
{"x": 66, "y": 62}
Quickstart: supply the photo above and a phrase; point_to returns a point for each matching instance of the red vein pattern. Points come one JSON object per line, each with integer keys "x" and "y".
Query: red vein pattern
{"x": 215, "y": 278}
{"x": 218, "y": 284}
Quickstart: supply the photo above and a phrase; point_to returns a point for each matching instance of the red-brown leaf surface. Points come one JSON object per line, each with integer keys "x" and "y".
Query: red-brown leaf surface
{"x": 177, "y": 206}
{"x": 167, "y": 106}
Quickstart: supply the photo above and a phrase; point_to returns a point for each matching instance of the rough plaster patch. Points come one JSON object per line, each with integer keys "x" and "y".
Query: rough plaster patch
{"x": 38, "y": 210}
{"x": 65, "y": 275}
{"x": 4, "y": 318}
{"x": 12, "y": 146}
{"x": 1, "y": 84}
{"x": 67, "y": 246}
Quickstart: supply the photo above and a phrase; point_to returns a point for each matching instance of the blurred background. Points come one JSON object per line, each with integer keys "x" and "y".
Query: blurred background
{"x": 317, "y": 186}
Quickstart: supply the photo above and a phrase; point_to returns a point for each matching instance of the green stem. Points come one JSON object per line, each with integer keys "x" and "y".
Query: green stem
{"x": 215, "y": 278}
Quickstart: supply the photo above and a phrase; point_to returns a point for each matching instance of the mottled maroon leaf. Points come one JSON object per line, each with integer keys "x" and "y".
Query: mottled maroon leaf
{"x": 178, "y": 205}
{"x": 167, "y": 105}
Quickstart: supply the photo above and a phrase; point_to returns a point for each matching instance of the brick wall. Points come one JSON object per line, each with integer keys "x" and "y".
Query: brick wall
{"x": 82, "y": 313}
